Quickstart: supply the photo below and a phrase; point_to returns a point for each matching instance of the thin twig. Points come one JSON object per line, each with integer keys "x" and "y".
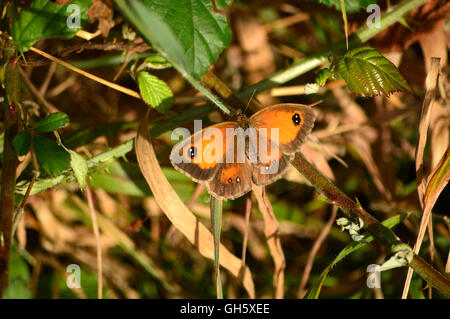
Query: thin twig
{"x": 88, "y": 75}
{"x": 48, "y": 78}
{"x": 312, "y": 254}
{"x": 49, "y": 107}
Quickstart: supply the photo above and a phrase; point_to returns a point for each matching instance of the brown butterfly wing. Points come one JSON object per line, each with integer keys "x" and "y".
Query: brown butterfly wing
{"x": 294, "y": 123}
{"x": 198, "y": 165}
{"x": 232, "y": 180}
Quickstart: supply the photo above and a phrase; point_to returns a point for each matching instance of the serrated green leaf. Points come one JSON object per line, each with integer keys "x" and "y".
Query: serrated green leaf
{"x": 52, "y": 122}
{"x": 368, "y": 73}
{"x": 322, "y": 76}
{"x": 45, "y": 19}
{"x": 155, "y": 92}
{"x": 79, "y": 167}
{"x": 51, "y": 157}
{"x": 351, "y": 6}
{"x": 21, "y": 142}
{"x": 162, "y": 38}
{"x": 202, "y": 33}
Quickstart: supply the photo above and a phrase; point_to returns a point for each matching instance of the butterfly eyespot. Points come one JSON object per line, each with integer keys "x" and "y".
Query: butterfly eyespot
{"x": 192, "y": 151}
{"x": 230, "y": 180}
{"x": 238, "y": 180}
{"x": 296, "y": 119}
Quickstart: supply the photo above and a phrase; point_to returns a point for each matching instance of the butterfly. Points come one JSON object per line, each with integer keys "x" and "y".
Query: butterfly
{"x": 228, "y": 157}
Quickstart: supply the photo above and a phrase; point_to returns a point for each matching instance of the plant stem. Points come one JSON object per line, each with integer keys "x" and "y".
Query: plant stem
{"x": 337, "y": 197}
{"x": 216, "y": 221}
{"x": 433, "y": 277}
{"x": 352, "y": 209}
{"x": 9, "y": 162}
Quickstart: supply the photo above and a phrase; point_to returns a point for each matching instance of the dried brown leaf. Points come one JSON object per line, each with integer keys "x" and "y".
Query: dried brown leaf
{"x": 272, "y": 232}
{"x": 440, "y": 132}
{"x": 102, "y": 11}
{"x": 424, "y": 123}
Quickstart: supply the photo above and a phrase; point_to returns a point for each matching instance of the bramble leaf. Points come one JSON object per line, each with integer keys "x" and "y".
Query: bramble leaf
{"x": 155, "y": 91}
{"x": 79, "y": 167}
{"x": 202, "y": 33}
{"x": 51, "y": 157}
{"x": 52, "y": 122}
{"x": 45, "y": 19}
{"x": 368, "y": 73}
{"x": 21, "y": 143}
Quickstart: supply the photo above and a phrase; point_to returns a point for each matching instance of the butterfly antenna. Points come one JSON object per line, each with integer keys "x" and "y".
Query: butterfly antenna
{"x": 249, "y": 101}
{"x": 315, "y": 103}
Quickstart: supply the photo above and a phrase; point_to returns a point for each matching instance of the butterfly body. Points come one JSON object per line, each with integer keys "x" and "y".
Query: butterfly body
{"x": 228, "y": 157}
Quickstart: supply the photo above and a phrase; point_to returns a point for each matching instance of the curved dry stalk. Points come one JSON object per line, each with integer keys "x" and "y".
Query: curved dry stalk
{"x": 430, "y": 94}
{"x": 272, "y": 232}
{"x": 179, "y": 215}
{"x": 312, "y": 254}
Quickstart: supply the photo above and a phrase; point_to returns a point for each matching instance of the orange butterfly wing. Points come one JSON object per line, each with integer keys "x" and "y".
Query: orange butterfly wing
{"x": 293, "y": 121}
{"x": 284, "y": 127}
{"x": 232, "y": 180}
{"x": 198, "y": 156}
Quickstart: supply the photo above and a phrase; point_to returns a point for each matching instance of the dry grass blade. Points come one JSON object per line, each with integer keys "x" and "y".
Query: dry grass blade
{"x": 181, "y": 217}
{"x": 272, "y": 232}
{"x": 431, "y": 83}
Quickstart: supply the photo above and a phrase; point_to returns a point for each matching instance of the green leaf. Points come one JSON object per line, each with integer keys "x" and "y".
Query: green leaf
{"x": 45, "y": 19}
{"x": 202, "y": 33}
{"x": 160, "y": 35}
{"x": 351, "y": 6}
{"x": 155, "y": 92}
{"x": 51, "y": 157}
{"x": 21, "y": 142}
{"x": 80, "y": 168}
{"x": 369, "y": 73}
{"x": 52, "y": 122}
